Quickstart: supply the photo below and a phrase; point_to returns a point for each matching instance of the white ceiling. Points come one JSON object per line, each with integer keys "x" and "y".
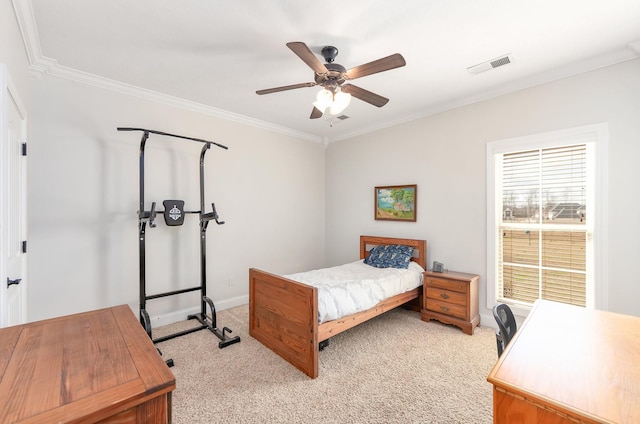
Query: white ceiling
{"x": 215, "y": 54}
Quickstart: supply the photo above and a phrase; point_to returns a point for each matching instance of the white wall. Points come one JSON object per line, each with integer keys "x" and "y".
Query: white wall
{"x": 445, "y": 155}
{"x": 270, "y": 188}
{"x": 83, "y": 240}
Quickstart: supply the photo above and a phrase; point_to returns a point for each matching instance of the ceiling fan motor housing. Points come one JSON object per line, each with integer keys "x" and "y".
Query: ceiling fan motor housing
{"x": 335, "y": 76}
{"x": 329, "y": 53}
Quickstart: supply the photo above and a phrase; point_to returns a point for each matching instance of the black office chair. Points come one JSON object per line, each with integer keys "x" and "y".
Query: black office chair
{"x": 507, "y": 326}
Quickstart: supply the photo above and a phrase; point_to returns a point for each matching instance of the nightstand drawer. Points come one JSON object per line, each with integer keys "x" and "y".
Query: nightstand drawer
{"x": 447, "y": 296}
{"x": 458, "y": 311}
{"x": 459, "y": 286}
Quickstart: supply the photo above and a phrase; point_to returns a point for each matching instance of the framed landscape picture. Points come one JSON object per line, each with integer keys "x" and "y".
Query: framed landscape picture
{"x": 396, "y": 203}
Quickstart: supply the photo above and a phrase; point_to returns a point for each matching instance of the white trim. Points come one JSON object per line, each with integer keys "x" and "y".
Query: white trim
{"x": 600, "y": 254}
{"x": 597, "y": 134}
{"x": 181, "y": 315}
{"x": 41, "y": 65}
{"x": 612, "y": 58}
{"x": 154, "y": 96}
{"x": 3, "y": 196}
{"x": 52, "y": 68}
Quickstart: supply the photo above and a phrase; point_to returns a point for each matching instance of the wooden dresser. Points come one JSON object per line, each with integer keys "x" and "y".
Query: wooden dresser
{"x": 568, "y": 364}
{"x": 94, "y": 367}
{"x": 451, "y": 298}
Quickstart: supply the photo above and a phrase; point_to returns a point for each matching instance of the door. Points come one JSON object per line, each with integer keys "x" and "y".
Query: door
{"x": 13, "y": 206}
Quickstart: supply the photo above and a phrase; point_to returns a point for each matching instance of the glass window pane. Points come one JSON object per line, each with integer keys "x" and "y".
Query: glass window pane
{"x": 564, "y": 249}
{"x": 520, "y": 284}
{"x": 545, "y": 189}
{"x": 520, "y": 246}
{"x": 566, "y": 287}
{"x": 563, "y": 181}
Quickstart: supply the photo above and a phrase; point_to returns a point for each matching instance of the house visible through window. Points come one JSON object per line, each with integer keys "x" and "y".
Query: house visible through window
{"x": 542, "y": 216}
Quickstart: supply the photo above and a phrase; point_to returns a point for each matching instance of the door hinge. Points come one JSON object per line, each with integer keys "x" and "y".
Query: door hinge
{"x": 24, "y": 246}
{"x": 24, "y": 149}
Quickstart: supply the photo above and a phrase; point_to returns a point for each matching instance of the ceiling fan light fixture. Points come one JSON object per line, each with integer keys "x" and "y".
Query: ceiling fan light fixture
{"x": 335, "y": 102}
{"x": 340, "y": 102}
{"x": 324, "y": 99}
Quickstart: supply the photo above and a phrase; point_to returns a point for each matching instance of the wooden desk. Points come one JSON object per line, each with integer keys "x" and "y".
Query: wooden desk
{"x": 97, "y": 366}
{"x": 569, "y": 364}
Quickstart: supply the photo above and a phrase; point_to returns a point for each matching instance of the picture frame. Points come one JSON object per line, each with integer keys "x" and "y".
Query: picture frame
{"x": 396, "y": 203}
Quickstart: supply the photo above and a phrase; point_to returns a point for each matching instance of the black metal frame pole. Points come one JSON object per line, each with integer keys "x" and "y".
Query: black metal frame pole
{"x": 203, "y": 237}
{"x": 141, "y": 236}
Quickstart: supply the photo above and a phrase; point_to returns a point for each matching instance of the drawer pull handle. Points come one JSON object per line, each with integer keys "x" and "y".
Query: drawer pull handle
{"x": 444, "y": 295}
{"x": 444, "y": 309}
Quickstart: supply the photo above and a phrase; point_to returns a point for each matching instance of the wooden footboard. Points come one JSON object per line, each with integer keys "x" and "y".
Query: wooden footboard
{"x": 283, "y": 315}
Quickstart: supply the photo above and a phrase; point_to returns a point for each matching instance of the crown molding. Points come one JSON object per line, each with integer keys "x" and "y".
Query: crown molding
{"x": 622, "y": 55}
{"x": 38, "y": 64}
{"x": 157, "y": 97}
{"x": 41, "y": 65}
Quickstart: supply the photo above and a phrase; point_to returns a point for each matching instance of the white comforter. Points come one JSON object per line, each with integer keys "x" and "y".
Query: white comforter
{"x": 346, "y": 289}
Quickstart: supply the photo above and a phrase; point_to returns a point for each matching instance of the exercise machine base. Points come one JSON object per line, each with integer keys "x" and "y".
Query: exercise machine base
{"x": 205, "y": 323}
{"x": 222, "y": 335}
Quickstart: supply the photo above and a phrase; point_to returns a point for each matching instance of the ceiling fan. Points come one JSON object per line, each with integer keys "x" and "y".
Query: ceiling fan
{"x": 332, "y": 77}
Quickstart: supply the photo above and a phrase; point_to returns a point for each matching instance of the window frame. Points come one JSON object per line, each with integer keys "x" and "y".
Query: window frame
{"x": 598, "y": 135}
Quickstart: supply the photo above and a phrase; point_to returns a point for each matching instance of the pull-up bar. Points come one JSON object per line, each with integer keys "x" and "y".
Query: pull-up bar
{"x": 173, "y": 135}
{"x": 143, "y": 142}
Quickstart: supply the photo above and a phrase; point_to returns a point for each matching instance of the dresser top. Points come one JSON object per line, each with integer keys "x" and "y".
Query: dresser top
{"x": 452, "y": 275}
{"x": 62, "y": 369}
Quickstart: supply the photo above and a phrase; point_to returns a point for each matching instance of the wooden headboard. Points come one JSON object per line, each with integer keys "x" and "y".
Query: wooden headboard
{"x": 420, "y": 246}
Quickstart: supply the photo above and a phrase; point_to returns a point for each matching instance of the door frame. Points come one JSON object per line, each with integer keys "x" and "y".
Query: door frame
{"x": 8, "y": 93}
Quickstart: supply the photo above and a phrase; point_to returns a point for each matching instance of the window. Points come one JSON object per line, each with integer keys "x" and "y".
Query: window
{"x": 545, "y": 214}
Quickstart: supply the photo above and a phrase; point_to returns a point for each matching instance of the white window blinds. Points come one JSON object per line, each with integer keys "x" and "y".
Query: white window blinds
{"x": 544, "y": 232}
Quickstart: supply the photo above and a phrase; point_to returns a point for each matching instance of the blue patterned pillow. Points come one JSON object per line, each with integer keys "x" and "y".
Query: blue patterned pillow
{"x": 391, "y": 256}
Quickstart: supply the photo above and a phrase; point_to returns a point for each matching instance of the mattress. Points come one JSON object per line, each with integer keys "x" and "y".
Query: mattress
{"x": 354, "y": 287}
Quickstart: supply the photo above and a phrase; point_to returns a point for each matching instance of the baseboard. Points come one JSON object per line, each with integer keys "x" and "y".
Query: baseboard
{"x": 488, "y": 321}
{"x": 181, "y": 315}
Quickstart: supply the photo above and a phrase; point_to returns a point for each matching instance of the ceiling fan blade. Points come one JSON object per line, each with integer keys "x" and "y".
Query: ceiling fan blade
{"x": 364, "y": 95}
{"x": 285, "y": 88}
{"x": 315, "y": 113}
{"x": 380, "y": 65}
{"x": 307, "y": 56}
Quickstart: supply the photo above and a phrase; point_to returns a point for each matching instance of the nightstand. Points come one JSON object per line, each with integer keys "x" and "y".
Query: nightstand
{"x": 451, "y": 298}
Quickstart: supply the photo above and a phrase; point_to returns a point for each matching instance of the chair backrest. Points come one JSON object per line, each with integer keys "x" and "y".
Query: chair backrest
{"x": 506, "y": 324}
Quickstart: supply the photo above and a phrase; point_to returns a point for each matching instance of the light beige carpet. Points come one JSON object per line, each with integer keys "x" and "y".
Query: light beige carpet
{"x": 392, "y": 369}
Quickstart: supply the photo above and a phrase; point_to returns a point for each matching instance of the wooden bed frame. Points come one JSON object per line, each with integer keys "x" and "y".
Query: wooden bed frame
{"x": 283, "y": 314}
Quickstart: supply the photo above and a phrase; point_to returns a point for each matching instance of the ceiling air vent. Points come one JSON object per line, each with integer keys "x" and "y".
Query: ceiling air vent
{"x": 332, "y": 119}
{"x": 490, "y": 64}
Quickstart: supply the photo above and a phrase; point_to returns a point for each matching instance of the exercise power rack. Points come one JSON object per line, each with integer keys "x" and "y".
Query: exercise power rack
{"x": 174, "y": 215}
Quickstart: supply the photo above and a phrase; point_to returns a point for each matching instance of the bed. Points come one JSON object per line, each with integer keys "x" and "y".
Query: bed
{"x": 283, "y": 313}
